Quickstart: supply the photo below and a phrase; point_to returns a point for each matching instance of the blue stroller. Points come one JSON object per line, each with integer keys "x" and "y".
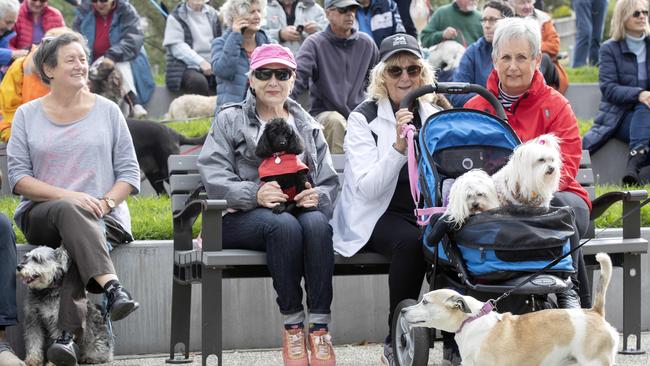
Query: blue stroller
{"x": 495, "y": 250}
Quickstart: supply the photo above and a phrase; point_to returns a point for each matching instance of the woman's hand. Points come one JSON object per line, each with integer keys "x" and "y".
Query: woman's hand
{"x": 206, "y": 68}
{"x": 289, "y": 34}
{"x": 87, "y": 202}
{"x": 270, "y": 194}
{"x": 312, "y": 27}
{"x": 307, "y": 198}
{"x": 644, "y": 98}
{"x": 403, "y": 117}
{"x": 239, "y": 23}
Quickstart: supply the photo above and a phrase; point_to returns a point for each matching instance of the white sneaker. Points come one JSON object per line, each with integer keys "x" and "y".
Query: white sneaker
{"x": 139, "y": 112}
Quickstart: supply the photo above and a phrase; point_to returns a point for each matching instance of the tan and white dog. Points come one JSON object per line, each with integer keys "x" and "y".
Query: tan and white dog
{"x": 548, "y": 337}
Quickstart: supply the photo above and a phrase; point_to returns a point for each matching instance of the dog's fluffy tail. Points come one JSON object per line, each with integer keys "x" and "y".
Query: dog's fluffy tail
{"x": 603, "y": 282}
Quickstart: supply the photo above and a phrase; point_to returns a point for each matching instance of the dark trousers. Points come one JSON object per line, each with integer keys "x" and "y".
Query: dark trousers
{"x": 403, "y": 6}
{"x": 547, "y": 67}
{"x": 635, "y": 127}
{"x": 296, "y": 247}
{"x": 62, "y": 223}
{"x": 8, "y": 311}
{"x": 397, "y": 236}
{"x": 195, "y": 82}
{"x": 581, "y": 211}
{"x": 590, "y": 22}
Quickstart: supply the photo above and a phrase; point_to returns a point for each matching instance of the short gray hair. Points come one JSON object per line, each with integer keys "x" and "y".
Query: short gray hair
{"x": 9, "y": 5}
{"x": 517, "y": 28}
{"x": 236, "y": 8}
{"x": 48, "y": 52}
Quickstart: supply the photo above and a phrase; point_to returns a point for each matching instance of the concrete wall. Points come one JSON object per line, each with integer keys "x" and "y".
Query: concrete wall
{"x": 251, "y": 318}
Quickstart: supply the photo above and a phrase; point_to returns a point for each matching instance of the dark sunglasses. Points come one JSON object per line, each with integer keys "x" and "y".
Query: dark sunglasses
{"x": 101, "y": 1}
{"x": 396, "y": 72}
{"x": 41, "y": 1}
{"x": 266, "y": 74}
{"x": 349, "y": 9}
{"x": 638, "y": 13}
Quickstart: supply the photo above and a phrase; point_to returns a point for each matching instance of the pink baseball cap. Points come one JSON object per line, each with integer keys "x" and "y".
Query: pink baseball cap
{"x": 272, "y": 54}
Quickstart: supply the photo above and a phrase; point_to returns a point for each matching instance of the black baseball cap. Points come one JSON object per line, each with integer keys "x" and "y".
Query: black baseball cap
{"x": 400, "y": 42}
{"x": 340, "y": 4}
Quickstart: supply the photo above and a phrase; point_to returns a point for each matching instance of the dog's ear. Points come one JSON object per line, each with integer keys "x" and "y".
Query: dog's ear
{"x": 61, "y": 256}
{"x": 264, "y": 148}
{"x": 115, "y": 78}
{"x": 295, "y": 142}
{"x": 458, "y": 302}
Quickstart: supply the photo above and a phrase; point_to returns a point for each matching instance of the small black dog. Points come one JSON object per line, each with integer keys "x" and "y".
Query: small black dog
{"x": 153, "y": 143}
{"x": 280, "y": 146}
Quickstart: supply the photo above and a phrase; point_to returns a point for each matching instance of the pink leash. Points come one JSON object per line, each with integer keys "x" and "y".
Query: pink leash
{"x": 408, "y": 130}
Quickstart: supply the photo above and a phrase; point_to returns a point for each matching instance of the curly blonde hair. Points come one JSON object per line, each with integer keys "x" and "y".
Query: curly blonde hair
{"x": 232, "y": 9}
{"x": 377, "y": 88}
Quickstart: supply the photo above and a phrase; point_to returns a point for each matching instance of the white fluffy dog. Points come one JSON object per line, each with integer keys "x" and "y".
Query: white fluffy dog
{"x": 42, "y": 270}
{"x": 191, "y": 106}
{"x": 543, "y": 338}
{"x": 532, "y": 174}
{"x": 471, "y": 193}
{"x": 446, "y": 55}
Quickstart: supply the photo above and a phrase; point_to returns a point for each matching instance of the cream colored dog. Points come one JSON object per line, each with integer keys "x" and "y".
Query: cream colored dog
{"x": 191, "y": 106}
{"x": 548, "y": 337}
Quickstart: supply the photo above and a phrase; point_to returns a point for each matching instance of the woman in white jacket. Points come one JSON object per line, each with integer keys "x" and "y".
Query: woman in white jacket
{"x": 376, "y": 209}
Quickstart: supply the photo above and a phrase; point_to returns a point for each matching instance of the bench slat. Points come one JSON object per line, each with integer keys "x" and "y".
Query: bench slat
{"x": 591, "y": 191}
{"x": 616, "y": 245}
{"x": 585, "y": 161}
{"x": 245, "y": 257}
{"x": 184, "y": 183}
{"x": 182, "y": 163}
{"x": 585, "y": 177}
{"x": 178, "y": 201}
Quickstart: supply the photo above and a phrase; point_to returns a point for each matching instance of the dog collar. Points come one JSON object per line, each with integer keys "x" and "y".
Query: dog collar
{"x": 485, "y": 310}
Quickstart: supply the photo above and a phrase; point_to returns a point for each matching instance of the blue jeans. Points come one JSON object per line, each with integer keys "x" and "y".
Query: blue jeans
{"x": 296, "y": 247}
{"x": 590, "y": 19}
{"x": 8, "y": 311}
{"x": 635, "y": 127}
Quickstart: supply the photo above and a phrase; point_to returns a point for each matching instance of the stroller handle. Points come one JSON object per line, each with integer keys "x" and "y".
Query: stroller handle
{"x": 455, "y": 88}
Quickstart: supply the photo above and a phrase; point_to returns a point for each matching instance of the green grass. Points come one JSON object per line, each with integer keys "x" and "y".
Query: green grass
{"x": 586, "y": 74}
{"x": 194, "y": 128}
{"x": 584, "y": 125}
{"x": 151, "y": 217}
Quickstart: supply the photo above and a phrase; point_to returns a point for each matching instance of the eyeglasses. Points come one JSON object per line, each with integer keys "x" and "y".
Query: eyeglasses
{"x": 395, "y": 72}
{"x": 266, "y": 74}
{"x": 101, "y": 1}
{"x": 638, "y": 13}
{"x": 349, "y": 9}
{"x": 42, "y": 1}
{"x": 490, "y": 20}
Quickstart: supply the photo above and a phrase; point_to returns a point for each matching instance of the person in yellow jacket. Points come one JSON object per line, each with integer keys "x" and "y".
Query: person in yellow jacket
{"x": 21, "y": 84}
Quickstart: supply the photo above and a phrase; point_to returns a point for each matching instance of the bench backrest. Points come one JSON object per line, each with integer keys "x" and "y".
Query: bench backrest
{"x": 185, "y": 178}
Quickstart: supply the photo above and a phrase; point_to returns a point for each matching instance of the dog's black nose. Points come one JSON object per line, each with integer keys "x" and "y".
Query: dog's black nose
{"x": 475, "y": 205}
{"x": 550, "y": 170}
{"x": 19, "y": 268}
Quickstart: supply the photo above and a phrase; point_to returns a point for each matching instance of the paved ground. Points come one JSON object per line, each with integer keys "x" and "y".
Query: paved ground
{"x": 347, "y": 355}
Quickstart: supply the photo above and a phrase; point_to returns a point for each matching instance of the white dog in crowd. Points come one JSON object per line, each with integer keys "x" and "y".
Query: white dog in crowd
{"x": 532, "y": 174}
{"x": 446, "y": 55}
{"x": 191, "y": 106}
{"x": 471, "y": 193}
{"x": 547, "y": 337}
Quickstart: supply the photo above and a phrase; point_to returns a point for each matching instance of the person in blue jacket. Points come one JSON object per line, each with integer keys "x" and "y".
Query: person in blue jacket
{"x": 624, "y": 111}
{"x": 8, "y": 15}
{"x": 476, "y": 64}
{"x": 379, "y": 19}
{"x": 232, "y": 51}
{"x": 113, "y": 31}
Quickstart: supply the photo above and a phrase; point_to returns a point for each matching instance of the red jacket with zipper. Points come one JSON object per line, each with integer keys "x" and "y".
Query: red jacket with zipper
{"x": 51, "y": 18}
{"x": 540, "y": 110}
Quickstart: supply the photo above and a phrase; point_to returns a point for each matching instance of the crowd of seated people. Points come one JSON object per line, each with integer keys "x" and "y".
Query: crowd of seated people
{"x": 354, "y": 62}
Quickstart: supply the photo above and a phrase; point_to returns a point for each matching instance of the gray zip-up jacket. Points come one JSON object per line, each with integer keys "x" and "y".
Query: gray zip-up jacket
{"x": 228, "y": 164}
{"x": 276, "y": 19}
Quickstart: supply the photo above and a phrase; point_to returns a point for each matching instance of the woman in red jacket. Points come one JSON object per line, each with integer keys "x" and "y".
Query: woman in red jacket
{"x": 35, "y": 17}
{"x": 533, "y": 109}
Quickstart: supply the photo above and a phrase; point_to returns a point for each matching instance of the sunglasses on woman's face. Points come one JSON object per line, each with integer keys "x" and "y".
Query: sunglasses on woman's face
{"x": 349, "y": 9}
{"x": 396, "y": 72}
{"x": 638, "y": 13}
{"x": 101, "y": 1}
{"x": 40, "y": 1}
{"x": 266, "y": 74}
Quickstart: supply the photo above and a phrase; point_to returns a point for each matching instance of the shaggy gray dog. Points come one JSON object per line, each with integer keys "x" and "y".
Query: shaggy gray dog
{"x": 42, "y": 270}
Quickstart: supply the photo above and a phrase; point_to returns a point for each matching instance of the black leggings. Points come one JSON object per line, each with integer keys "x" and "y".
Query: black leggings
{"x": 397, "y": 235}
{"x": 195, "y": 82}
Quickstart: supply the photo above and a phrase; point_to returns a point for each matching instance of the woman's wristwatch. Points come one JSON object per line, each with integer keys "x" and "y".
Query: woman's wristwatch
{"x": 109, "y": 202}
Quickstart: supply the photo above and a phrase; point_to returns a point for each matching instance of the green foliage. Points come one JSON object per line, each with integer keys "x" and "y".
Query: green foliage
{"x": 562, "y": 11}
{"x": 195, "y": 128}
{"x": 612, "y": 217}
{"x": 585, "y": 74}
{"x": 608, "y": 20}
{"x": 584, "y": 125}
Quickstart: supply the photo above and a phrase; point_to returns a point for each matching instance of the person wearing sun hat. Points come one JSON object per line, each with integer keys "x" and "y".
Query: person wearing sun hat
{"x": 375, "y": 210}
{"x": 333, "y": 66}
{"x": 297, "y": 246}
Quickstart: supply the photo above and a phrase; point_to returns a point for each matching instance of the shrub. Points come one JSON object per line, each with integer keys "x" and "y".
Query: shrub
{"x": 563, "y": 11}
{"x": 194, "y": 128}
{"x": 585, "y": 74}
{"x": 584, "y": 126}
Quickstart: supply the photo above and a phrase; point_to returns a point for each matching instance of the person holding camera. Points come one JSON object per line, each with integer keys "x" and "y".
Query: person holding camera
{"x": 289, "y": 22}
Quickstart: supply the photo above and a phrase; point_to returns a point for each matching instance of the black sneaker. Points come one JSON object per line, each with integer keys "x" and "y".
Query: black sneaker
{"x": 388, "y": 357}
{"x": 63, "y": 352}
{"x": 450, "y": 357}
{"x": 120, "y": 304}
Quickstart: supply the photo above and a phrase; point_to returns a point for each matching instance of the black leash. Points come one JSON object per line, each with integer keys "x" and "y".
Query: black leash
{"x": 558, "y": 259}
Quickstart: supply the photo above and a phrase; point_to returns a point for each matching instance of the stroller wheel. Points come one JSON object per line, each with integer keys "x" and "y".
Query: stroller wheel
{"x": 410, "y": 345}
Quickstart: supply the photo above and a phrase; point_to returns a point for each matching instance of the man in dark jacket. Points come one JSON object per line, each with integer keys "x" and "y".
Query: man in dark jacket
{"x": 379, "y": 19}
{"x": 334, "y": 66}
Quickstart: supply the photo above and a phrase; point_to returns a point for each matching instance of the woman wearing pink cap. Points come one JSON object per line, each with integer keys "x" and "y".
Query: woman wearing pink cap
{"x": 298, "y": 245}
